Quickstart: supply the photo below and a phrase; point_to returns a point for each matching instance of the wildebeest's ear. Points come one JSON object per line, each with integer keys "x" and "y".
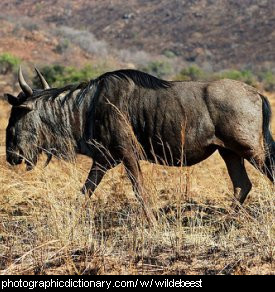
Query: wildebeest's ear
{"x": 13, "y": 100}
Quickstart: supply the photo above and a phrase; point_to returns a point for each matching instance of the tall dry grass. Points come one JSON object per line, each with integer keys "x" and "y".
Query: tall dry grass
{"x": 47, "y": 226}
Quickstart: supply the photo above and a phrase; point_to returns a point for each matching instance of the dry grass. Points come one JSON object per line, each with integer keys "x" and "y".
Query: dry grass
{"x": 48, "y": 227}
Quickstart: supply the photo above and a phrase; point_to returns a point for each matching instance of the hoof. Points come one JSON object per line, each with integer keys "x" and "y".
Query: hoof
{"x": 236, "y": 206}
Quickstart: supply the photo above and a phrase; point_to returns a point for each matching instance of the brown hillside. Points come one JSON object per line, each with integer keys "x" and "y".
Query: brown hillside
{"x": 214, "y": 34}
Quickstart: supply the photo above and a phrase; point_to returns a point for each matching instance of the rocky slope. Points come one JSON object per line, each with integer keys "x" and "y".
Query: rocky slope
{"x": 214, "y": 34}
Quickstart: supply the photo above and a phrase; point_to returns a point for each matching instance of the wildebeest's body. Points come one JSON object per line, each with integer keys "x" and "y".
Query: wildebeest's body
{"x": 176, "y": 123}
{"x": 159, "y": 120}
{"x": 193, "y": 116}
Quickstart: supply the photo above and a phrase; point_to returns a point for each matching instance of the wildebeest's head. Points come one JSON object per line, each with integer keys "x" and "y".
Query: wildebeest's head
{"x": 22, "y": 133}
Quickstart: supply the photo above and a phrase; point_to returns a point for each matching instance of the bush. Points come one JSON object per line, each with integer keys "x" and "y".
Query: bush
{"x": 58, "y": 75}
{"x": 51, "y": 73}
{"x": 267, "y": 79}
{"x": 62, "y": 46}
{"x": 8, "y": 63}
{"x": 73, "y": 75}
{"x": 195, "y": 73}
{"x": 169, "y": 54}
{"x": 158, "y": 68}
{"x": 245, "y": 76}
{"x": 191, "y": 73}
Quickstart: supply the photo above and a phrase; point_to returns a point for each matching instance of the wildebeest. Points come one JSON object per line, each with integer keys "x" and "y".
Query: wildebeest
{"x": 175, "y": 123}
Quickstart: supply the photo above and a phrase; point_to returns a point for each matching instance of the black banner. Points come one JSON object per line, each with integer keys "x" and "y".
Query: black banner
{"x": 130, "y": 282}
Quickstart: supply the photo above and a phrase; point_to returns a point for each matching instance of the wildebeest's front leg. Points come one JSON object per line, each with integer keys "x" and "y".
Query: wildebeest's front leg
{"x": 237, "y": 173}
{"x": 134, "y": 173}
{"x": 95, "y": 176}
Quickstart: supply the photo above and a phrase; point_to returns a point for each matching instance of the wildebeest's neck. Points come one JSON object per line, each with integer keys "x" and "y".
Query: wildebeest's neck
{"x": 63, "y": 119}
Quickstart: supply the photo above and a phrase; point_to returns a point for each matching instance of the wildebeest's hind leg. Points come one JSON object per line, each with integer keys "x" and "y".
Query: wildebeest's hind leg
{"x": 237, "y": 173}
{"x": 134, "y": 173}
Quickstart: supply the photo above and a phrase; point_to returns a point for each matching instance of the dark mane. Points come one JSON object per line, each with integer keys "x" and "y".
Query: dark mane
{"x": 53, "y": 93}
{"x": 139, "y": 78}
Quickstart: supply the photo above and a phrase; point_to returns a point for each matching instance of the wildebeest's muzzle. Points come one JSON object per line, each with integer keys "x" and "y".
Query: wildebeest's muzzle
{"x": 14, "y": 157}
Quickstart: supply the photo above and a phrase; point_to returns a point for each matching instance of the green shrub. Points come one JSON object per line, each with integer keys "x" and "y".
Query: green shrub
{"x": 62, "y": 46}
{"x": 58, "y": 75}
{"x": 51, "y": 73}
{"x": 158, "y": 68}
{"x": 191, "y": 73}
{"x": 195, "y": 73}
{"x": 267, "y": 79}
{"x": 73, "y": 75}
{"x": 244, "y": 75}
{"x": 169, "y": 54}
{"x": 8, "y": 63}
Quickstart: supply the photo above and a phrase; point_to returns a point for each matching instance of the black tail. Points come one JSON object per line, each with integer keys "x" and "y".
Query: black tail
{"x": 268, "y": 139}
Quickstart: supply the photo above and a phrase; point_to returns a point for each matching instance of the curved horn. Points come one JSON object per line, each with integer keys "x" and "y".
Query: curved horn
{"x": 23, "y": 84}
{"x": 43, "y": 81}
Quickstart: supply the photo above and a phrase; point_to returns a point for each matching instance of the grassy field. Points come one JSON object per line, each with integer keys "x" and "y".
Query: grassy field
{"x": 48, "y": 227}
